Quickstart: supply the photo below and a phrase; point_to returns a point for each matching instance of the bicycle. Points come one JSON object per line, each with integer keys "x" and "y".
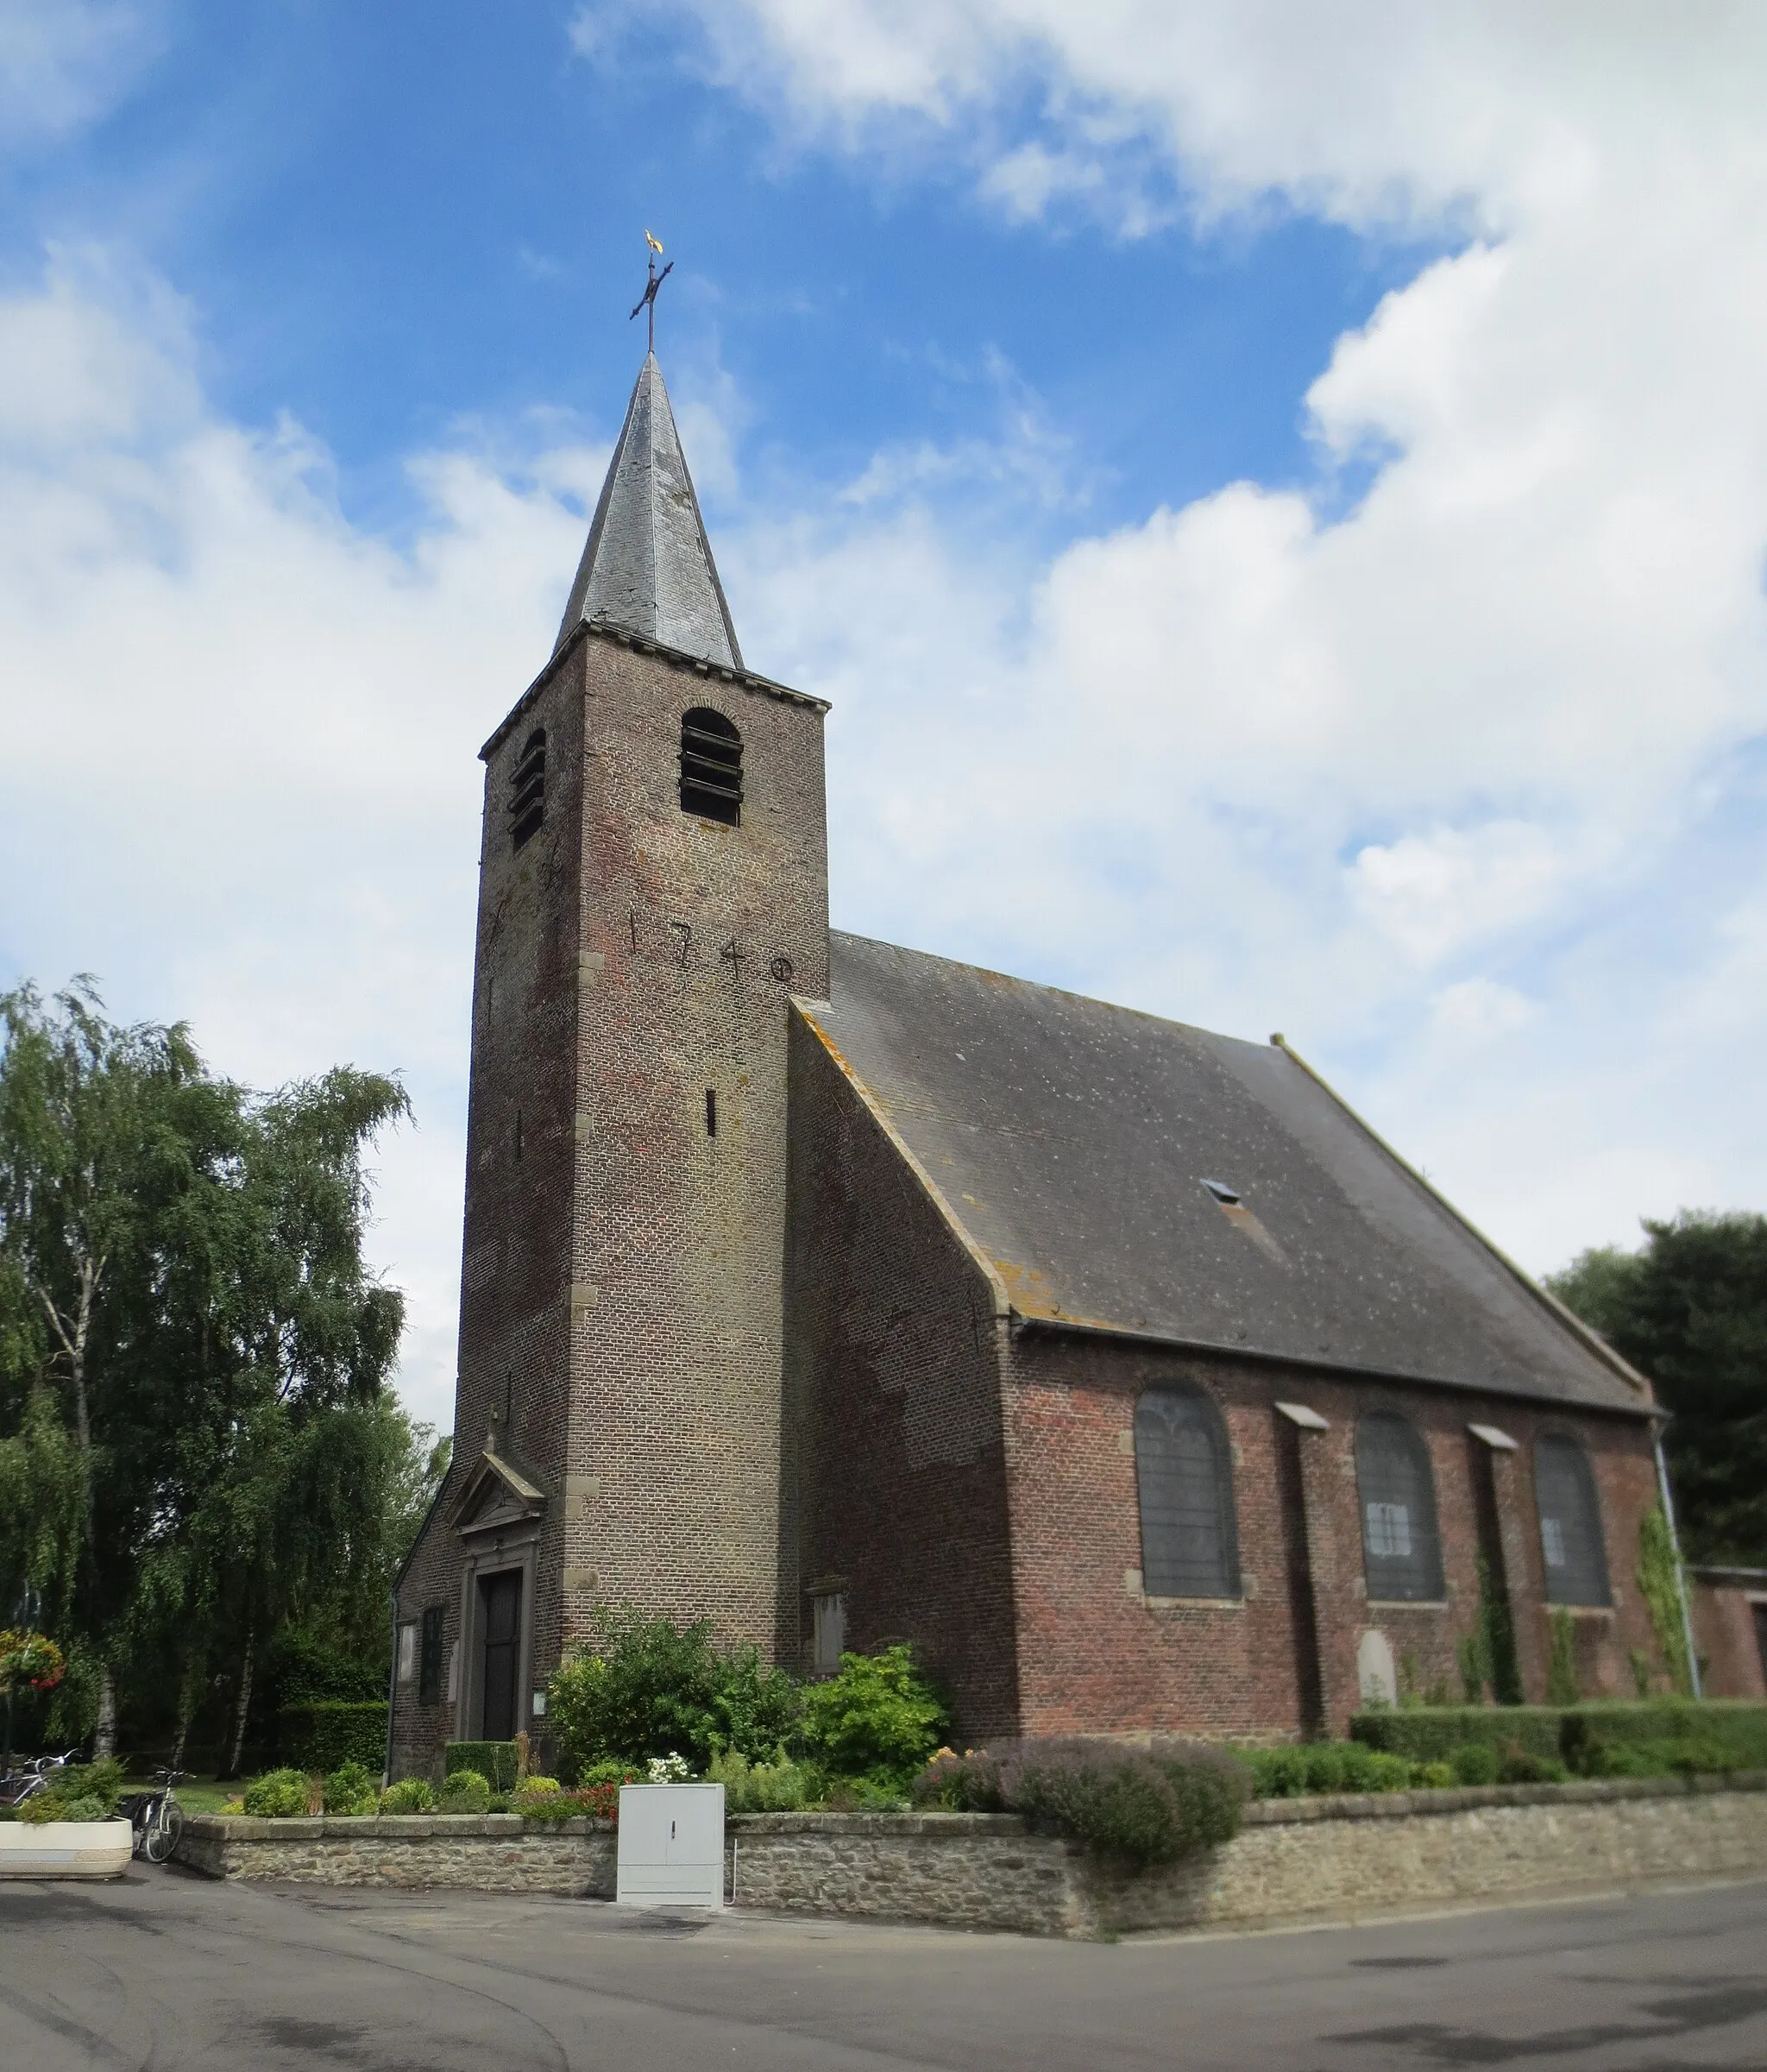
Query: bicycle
{"x": 157, "y": 1817}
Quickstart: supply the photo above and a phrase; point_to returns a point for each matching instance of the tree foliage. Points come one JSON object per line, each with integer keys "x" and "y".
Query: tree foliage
{"x": 197, "y": 1446}
{"x": 1689, "y": 1310}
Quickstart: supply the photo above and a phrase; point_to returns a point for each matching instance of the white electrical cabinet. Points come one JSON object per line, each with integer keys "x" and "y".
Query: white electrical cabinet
{"x": 671, "y": 1845}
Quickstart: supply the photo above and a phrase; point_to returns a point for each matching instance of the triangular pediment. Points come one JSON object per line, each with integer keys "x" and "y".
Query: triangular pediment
{"x": 494, "y": 1495}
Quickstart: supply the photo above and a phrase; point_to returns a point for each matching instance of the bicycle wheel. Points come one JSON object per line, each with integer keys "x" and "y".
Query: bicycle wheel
{"x": 164, "y": 1831}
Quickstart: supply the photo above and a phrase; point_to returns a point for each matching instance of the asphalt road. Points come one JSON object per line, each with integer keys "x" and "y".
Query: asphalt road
{"x": 166, "y": 1970}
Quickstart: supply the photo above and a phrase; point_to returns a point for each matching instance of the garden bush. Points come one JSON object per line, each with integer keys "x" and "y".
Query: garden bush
{"x": 327, "y": 1733}
{"x": 968, "y": 1782}
{"x": 1209, "y": 1786}
{"x": 877, "y": 1718}
{"x": 466, "y": 1791}
{"x": 495, "y": 1761}
{"x": 277, "y": 1795}
{"x": 1142, "y": 1805}
{"x": 1474, "y": 1763}
{"x": 1311, "y": 1766}
{"x": 781, "y": 1787}
{"x": 650, "y": 1688}
{"x": 351, "y": 1790}
{"x": 409, "y": 1795}
{"x": 80, "y": 1792}
{"x": 1738, "y": 1726}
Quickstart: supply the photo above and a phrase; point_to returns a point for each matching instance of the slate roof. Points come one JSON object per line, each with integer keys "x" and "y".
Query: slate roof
{"x": 648, "y": 565}
{"x": 1071, "y": 1141}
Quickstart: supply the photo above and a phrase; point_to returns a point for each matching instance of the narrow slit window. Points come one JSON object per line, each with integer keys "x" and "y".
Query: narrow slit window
{"x": 527, "y": 789}
{"x": 711, "y": 767}
{"x": 1571, "y": 1523}
{"x": 430, "y": 1660}
{"x": 710, "y": 1111}
{"x": 1401, "y": 1546}
{"x": 1184, "y": 1476}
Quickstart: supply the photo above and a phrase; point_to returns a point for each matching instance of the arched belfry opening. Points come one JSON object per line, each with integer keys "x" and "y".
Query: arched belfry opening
{"x": 711, "y": 767}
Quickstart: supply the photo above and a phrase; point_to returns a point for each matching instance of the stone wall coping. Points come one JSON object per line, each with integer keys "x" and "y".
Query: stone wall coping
{"x": 943, "y": 1826}
{"x": 1400, "y": 1805}
{"x": 387, "y": 1827}
{"x": 1261, "y": 1812}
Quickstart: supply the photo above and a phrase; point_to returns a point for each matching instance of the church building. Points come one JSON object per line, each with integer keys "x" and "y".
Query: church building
{"x": 843, "y": 1294}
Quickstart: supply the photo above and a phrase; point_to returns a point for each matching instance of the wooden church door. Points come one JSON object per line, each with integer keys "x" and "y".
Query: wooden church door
{"x": 499, "y": 1609}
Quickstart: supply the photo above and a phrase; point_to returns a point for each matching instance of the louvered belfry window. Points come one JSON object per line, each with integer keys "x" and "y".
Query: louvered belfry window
{"x": 1184, "y": 1474}
{"x": 527, "y": 789}
{"x": 1401, "y": 1546}
{"x": 711, "y": 767}
{"x": 1571, "y": 1523}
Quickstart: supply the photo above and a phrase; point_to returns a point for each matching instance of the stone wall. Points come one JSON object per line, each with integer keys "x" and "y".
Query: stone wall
{"x": 492, "y": 1853}
{"x": 1294, "y": 1862}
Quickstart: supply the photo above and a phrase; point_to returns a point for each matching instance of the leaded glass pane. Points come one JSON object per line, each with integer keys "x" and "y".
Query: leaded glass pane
{"x": 1184, "y": 1471}
{"x": 1571, "y": 1523}
{"x": 1401, "y": 1548}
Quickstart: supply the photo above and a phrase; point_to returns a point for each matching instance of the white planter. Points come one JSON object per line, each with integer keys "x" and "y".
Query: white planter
{"x": 671, "y": 1845}
{"x": 65, "y": 1848}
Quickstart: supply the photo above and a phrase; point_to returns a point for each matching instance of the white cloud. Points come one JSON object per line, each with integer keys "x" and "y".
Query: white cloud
{"x": 240, "y": 780}
{"x": 64, "y": 62}
{"x": 1453, "y": 788}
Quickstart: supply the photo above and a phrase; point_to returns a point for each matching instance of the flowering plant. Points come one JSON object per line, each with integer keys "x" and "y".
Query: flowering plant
{"x": 670, "y": 1769}
{"x": 29, "y": 1658}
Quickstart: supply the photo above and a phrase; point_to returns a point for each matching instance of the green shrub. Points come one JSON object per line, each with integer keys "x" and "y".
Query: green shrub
{"x": 1474, "y": 1763}
{"x": 1433, "y": 1777}
{"x": 351, "y": 1790}
{"x": 877, "y": 1718}
{"x": 493, "y": 1761}
{"x": 82, "y": 1785}
{"x": 650, "y": 1688}
{"x": 1562, "y": 1663}
{"x": 1294, "y": 1772}
{"x": 781, "y": 1787}
{"x": 325, "y": 1734}
{"x": 49, "y": 1806}
{"x": 1518, "y": 1765}
{"x": 1209, "y": 1786}
{"x": 409, "y": 1795}
{"x": 1113, "y": 1799}
{"x": 968, "y": 1782}
{"x": 1738, "y": 1726}
{"x": 466, "y": 1791}
{"x": 277, "y": 1795}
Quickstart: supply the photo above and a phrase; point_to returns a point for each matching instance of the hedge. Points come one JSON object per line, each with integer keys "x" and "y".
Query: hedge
{"x": 327, "y": 1732}
{"x": 493, "y": 1761}
{"x": 1431, "y": 1733}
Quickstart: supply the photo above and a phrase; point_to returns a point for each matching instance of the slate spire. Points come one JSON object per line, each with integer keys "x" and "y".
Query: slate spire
{"x": 648, "y": 566}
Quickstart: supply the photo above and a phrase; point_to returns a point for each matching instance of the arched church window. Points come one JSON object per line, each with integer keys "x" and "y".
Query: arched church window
{"x": 1184, "y": 1476}
{"x": 1396, "y": 1486}
{"x": 527, "y": 789}
{"x": 1570, "y": 1523}
{"x": 711, "y": 767}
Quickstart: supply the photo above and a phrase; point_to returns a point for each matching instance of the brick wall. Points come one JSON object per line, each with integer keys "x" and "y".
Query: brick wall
{"x": 894, "y": 1437}
{"x": 1728, "y": 1613}
{"x": 621, "y": 1284}
{"x": 1094, "y": 1655}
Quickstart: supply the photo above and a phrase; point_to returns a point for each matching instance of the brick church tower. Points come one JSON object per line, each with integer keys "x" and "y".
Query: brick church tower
{"x": 653, "y": 886}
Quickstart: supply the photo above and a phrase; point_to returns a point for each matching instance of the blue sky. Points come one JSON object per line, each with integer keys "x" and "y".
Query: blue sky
{"x": 392, "y": 219}
{"x": 1277, "y": 497}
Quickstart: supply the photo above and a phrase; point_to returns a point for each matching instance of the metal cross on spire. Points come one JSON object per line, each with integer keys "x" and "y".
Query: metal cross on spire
{"x": 647, "y": 301}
